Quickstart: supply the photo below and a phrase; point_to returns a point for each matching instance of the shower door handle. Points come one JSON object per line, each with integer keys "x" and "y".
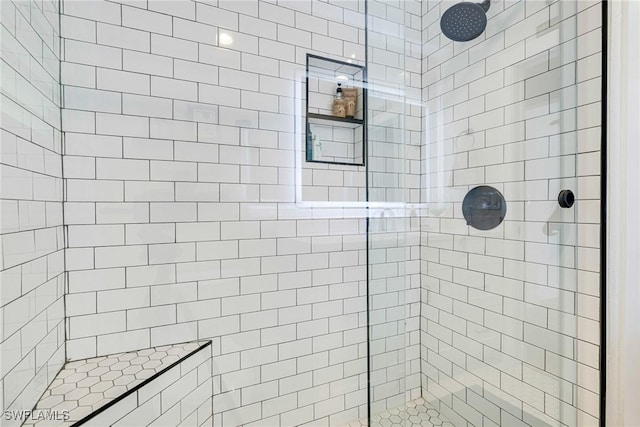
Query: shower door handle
{"x": 566, "y": 199}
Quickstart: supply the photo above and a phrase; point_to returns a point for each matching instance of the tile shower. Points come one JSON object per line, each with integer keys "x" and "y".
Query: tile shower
{"x": 155, "y": 192}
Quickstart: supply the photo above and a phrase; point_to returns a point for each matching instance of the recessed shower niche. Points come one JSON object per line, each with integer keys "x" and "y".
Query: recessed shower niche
{"x": 335, "y": 112}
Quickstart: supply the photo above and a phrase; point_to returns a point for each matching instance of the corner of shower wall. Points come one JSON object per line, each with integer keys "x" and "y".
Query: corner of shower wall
{"x": 413, "y": 168}
{"x": 393, "y": 31}
{"x": 32, "y": 346}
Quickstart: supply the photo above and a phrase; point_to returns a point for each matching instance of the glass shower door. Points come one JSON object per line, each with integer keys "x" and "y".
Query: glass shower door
{"x": 509, "y": 320}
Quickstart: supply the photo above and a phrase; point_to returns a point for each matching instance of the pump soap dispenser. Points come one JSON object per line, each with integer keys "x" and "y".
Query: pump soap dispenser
{"x": 339, "y": 105}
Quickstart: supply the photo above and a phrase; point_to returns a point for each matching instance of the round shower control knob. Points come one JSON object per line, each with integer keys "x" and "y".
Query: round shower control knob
{"x": 484, "y": 208}
{"x": 566, "y": 198}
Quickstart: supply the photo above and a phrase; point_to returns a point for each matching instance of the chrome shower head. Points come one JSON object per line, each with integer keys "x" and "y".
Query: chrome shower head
{"x": 465, "y": 21}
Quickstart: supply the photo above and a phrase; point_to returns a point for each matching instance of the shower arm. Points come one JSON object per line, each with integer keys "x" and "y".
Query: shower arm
{"x": 486, "y": 4}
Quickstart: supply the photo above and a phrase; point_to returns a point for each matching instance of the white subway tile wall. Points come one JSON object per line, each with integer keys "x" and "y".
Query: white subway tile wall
{"x": 191, "y": 214}
{"x": 184, "y": 151}
{"x": 509, "y": 317}
{"x": 32, "y": 248}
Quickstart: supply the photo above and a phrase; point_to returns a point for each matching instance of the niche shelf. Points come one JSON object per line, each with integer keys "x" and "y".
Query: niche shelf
{"x": 339, "y": 121}
{"x": 330, "y": 139}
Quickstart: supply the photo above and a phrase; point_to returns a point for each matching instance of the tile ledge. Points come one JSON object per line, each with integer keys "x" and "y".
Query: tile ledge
{"x": 85, "y": 388}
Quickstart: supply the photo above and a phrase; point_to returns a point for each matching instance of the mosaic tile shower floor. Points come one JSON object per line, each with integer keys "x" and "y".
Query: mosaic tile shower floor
{"x": 417, "y": 413}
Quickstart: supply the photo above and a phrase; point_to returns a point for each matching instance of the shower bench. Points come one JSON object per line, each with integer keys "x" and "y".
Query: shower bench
{"x": 164, "y": 385}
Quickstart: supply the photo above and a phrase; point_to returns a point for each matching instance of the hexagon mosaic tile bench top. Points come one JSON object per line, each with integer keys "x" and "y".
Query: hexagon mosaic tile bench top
{"x": 84, "y": 386}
